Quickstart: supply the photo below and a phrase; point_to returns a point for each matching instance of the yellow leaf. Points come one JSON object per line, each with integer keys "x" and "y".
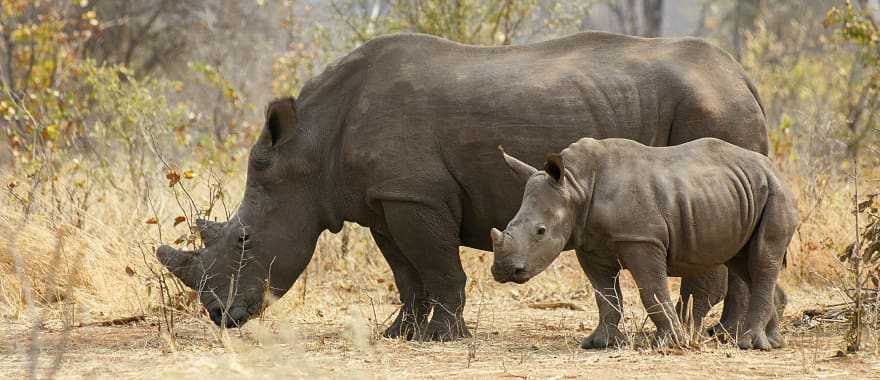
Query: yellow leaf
{"x": 189, "y": 174}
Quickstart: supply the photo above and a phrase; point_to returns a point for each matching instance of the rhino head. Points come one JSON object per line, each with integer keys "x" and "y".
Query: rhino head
{"x": 261, "y": 251}
{"x": 543, "y": 225}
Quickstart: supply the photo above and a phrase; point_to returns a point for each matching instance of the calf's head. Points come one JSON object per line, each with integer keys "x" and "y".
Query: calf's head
{"x": 542, "y": 226}
{"x": 259, "y": 253}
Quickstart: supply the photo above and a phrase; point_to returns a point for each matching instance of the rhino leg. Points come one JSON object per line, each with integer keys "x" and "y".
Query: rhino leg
{"x": 699, "y": 294}
{"x": 780, "y": 300}
{"x": 751, "y": 330}
{"x": 647, "y": 263}
{"x": 736, "y": 304}
{"x": 603, "y": 276}
{"x": 413, "y": 315}
{"x": 428, "y": 237}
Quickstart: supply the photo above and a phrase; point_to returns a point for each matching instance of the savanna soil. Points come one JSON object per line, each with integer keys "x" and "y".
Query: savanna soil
{"x": 333, "y": 335}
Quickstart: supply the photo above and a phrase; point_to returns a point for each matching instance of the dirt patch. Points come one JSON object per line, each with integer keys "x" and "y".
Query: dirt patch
{"x": 511, "y": 340}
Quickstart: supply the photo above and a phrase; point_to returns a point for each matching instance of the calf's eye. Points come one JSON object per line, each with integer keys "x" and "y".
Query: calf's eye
{"x": 541, "y": 230}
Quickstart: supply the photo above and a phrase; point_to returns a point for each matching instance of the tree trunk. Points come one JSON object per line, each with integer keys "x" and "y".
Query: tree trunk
{"x": 652, "y": 17}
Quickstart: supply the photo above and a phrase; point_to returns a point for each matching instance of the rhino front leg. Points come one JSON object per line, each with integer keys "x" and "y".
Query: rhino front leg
{"x": 413, "y": 315}
{"x": 603, "y": 276}
{"x": 647, "y": 263}
{"x": 428, "y": 238}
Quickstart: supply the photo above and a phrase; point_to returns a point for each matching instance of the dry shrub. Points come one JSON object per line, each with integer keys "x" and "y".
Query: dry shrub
{"x": 104, "y": 268}
{"x": 64, "y": 264}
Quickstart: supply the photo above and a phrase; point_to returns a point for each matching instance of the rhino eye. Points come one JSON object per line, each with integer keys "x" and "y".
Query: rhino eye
{"x": 541, "y": 230}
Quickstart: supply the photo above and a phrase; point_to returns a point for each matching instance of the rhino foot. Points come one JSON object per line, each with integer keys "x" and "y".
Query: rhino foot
{"x": 726, "y": 334}
{"x": 754, "y": 340}
{"x": 445, "y": 331}
{"x": 406, "y": 326}
{"x": 399, "y": 330}
{"x": 722, "y": 332}
{"x": 774, "y": 337}
{"x": 776, "y": 340}
{"x": 667, "y": 338}
{"x": 603, "y": 338}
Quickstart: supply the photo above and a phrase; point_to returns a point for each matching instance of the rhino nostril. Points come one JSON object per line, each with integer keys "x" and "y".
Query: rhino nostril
{"x": 519, "y": 271}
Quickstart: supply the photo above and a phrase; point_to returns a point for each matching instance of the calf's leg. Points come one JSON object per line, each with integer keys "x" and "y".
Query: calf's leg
{"x": 760, "y": 266}
{"x": 698, "y": 294}
{"x": 773, "y": 334}
{"x": 647, "y": 263}
{"x": 603, "y": 274}
{"x": 736, "y": 305}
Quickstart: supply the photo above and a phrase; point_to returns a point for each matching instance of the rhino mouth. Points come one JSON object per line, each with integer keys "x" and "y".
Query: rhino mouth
{"x": 236, "y": 317}
{"x": 511, "y": 273}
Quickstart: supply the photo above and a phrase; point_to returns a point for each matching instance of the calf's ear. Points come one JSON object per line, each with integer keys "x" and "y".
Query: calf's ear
{"x": 281, "y": 122}
{"x": 554, "y": 166}
{"x": 521, "y": 169}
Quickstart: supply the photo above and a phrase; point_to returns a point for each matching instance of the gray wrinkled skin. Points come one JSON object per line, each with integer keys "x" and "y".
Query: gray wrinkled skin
{"x": 658, "y": 212}
{"x": 400, "y": 136}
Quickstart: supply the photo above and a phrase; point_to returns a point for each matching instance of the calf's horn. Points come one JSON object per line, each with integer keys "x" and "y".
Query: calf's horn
{"x": 497, "y": 238}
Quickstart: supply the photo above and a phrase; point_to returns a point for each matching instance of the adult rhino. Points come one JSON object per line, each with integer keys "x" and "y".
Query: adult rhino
{"x": 401, "y": 136}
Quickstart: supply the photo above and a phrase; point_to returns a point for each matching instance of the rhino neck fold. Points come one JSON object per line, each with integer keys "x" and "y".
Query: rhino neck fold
{"x": 285, "y": 269}
{"x": 582, "y": 188}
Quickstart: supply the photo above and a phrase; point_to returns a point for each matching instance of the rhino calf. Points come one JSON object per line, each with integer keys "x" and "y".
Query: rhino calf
{"x": 658, "y": 212}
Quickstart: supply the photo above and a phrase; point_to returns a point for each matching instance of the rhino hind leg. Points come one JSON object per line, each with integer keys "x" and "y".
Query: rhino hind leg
{"x": 698, "y": 294}
{"x": 603, "y": 277}
{"x": 736, "y": 305}
{"x": 780, "y": 300}
{"x": 428, "y": 238}
{"x": 413, "y": 315}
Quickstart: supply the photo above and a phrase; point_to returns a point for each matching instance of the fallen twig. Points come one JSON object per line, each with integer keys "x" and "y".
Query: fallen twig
{"x": 555, "y": 305}
{"x": 116, "y": 322}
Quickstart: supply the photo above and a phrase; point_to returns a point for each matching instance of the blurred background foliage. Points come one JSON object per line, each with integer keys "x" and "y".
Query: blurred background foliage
{"x": 116, "y": 96}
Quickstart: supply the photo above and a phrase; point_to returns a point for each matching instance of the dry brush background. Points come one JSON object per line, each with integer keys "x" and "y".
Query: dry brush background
{"x": 125, "y": 120}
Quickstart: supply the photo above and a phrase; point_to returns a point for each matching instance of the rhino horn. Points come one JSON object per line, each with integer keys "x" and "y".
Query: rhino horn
{"x": 497, "y": 238}
{"x": 521, "y": 169}
{"x": 182, "y": 264}
{"x": 210, "y": 231}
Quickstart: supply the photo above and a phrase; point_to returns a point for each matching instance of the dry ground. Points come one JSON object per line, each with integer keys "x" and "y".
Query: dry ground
{"x": 513, "y": 339}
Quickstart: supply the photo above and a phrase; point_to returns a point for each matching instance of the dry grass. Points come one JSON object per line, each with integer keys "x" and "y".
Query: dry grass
{"x": 327, "y": 325}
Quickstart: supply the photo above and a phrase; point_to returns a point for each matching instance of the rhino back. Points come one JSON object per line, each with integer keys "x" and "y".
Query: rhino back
{"x": 428, "y": 114}
{"x": 700, "y": 201}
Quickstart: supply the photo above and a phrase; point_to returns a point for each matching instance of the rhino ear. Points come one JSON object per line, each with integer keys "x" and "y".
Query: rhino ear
{"x": 554, "y": 166}
{"x": 210, "y": 231}
{"x": 281, "y": 121}
{"x": 521, "y": 169}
